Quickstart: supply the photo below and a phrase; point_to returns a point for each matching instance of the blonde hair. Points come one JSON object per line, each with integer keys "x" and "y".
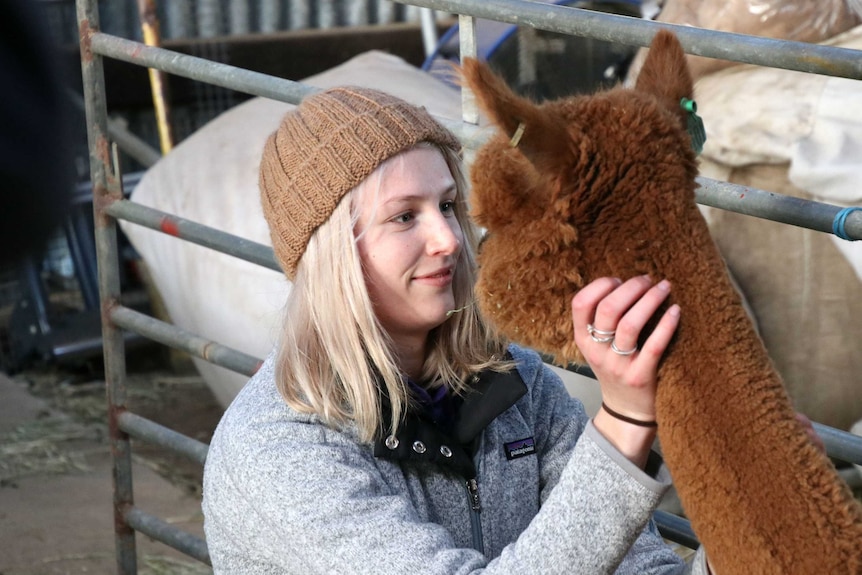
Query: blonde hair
{"x": 335, "y": 360}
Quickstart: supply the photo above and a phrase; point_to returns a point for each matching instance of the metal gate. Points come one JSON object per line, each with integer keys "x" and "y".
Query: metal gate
{"x": 109, "y": 205}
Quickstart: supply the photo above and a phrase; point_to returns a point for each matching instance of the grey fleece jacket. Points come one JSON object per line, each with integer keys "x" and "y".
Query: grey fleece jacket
{"x": 283, "y": 493}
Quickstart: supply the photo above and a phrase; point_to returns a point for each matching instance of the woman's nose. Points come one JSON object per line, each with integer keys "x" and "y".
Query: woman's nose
{"x": 445, "y": 236}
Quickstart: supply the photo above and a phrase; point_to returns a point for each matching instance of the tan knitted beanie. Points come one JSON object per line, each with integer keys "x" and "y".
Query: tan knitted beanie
{"x": 325, "y": 147}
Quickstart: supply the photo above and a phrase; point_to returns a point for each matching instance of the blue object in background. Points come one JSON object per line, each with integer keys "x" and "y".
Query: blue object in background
{"x": 539, "y": 64}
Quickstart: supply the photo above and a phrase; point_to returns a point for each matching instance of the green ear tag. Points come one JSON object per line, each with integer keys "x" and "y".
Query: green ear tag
{"x": 694, "y": 126}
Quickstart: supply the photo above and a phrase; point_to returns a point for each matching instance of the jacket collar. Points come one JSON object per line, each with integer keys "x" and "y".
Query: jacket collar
{"x": 419, "y": 439}
{"x": 491, "y": 394}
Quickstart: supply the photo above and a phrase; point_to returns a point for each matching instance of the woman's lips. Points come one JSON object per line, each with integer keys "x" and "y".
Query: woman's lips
{"x": 441, "y": 277}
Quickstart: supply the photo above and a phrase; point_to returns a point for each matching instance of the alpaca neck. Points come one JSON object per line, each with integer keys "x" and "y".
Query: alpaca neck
{"x": 759, "y": 494}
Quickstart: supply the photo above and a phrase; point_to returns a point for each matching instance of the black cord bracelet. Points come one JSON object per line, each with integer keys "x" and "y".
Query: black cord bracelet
{"x": 627, "y": 419}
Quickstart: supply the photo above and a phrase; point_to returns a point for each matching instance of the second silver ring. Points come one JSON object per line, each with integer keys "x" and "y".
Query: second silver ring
{"x": 619, "y": 351}
{"x": 600, "y": 335}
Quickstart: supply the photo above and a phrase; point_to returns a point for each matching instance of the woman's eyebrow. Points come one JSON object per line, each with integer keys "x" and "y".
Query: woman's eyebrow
{"x": 449, "y": 191}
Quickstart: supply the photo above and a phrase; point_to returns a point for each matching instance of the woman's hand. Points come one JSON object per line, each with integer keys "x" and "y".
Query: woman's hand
{"x": 608, "y": 317}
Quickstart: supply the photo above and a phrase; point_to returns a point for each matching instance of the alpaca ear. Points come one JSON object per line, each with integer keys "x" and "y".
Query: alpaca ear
{"x": 537, "y": 133}
{"x": 665, "y": 74}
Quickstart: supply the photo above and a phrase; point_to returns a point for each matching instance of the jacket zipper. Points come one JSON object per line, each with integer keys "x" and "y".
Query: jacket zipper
{"x": 475, "y": 518}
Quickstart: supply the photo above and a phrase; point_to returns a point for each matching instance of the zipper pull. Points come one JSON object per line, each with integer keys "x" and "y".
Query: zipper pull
{"x": 473, "y": 490}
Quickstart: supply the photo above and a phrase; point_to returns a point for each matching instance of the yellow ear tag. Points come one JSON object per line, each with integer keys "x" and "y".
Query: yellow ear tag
{"x": 516, "y": 137}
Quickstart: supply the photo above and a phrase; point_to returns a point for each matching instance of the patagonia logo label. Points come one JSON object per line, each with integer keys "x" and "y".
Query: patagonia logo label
{"x": 520, "y": 448}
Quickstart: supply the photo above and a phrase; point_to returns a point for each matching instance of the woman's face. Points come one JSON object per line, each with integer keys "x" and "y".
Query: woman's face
{"x": 409, "y": 241}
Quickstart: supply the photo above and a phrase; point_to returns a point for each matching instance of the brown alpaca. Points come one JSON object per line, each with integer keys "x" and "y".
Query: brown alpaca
{"x": 603, "y": 185}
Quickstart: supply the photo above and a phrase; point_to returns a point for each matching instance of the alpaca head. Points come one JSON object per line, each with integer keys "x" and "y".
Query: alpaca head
{"x": 563, "y": 180}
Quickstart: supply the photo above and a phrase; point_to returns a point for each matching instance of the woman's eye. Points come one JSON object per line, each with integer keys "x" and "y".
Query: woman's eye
{"x": 447, "y": 206}
{"x": 403, "y": 218}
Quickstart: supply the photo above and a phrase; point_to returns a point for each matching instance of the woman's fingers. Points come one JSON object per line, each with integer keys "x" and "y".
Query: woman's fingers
{"x": 657, "y": 342}
{"x": 615, "y": 312}
{"x": 584, "y": 305}
{"x": 634, "y": 319}
{"x": 609, "y": 315}
{"x": 602, "y": 302}
{"x": 611, "y": 309}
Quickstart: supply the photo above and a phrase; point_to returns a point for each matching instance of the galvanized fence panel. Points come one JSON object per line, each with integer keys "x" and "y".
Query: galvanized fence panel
{"x": 109, "y": 206}
{"x": 181, "y": 19}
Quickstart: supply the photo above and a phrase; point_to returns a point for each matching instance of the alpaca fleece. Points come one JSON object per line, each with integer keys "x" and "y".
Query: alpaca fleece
{"x": 603, "y": 185}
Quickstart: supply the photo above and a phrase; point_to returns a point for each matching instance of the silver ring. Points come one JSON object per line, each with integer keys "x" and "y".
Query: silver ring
{"x": 600, "y": 335}
{"x": 619, "y": 351}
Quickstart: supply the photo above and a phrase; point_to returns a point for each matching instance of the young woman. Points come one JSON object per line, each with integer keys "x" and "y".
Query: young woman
{"x": 391, "y": 431}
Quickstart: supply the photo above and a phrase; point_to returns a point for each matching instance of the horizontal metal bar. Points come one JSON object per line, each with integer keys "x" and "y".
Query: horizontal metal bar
{"x": 126, "y": 140}
{"x": 678, "y": 529}
{"x": 675, "y": 528}
{"x": 776, "y": 207}
{"x": 152, "y": 526}
{"x": 840, "y": 444}
{"x": 200, "y": 69}
{"x": 131, "y": 144}
{"x": 228, "y": 76}
{"x": 808, "y": 214}
{"x": 194, "y": 232}
{"x": 790, "y": 55}
{"x": 741, "y": 199}
{"x": 852, "y": 476}
{"x": 195, "y": 345}
{"x": 152, "y": 432}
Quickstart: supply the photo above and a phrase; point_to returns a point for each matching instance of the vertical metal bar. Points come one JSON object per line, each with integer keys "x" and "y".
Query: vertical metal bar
{"x": 467, "y": 38}
{"x": 105, "y": 188}
{"x": 429, "y": 30}
{"x": 179, "y": 19}
{"x": 38, "y": 300}
{"x": 527, "y": 40}
{"x": 299, "y": 12}
{"x": 269, "y": 15}
{"x": 385, "y": 11}
{"x": 209, "y": 18}
{"x": 411, "y": 13}
{"x": 117, "y": 21}
{"x": 77, "y": 228}
{"x": 326, "y": 15}
{"x": 356, "y": 13}
{"x": 239, "y": 20}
